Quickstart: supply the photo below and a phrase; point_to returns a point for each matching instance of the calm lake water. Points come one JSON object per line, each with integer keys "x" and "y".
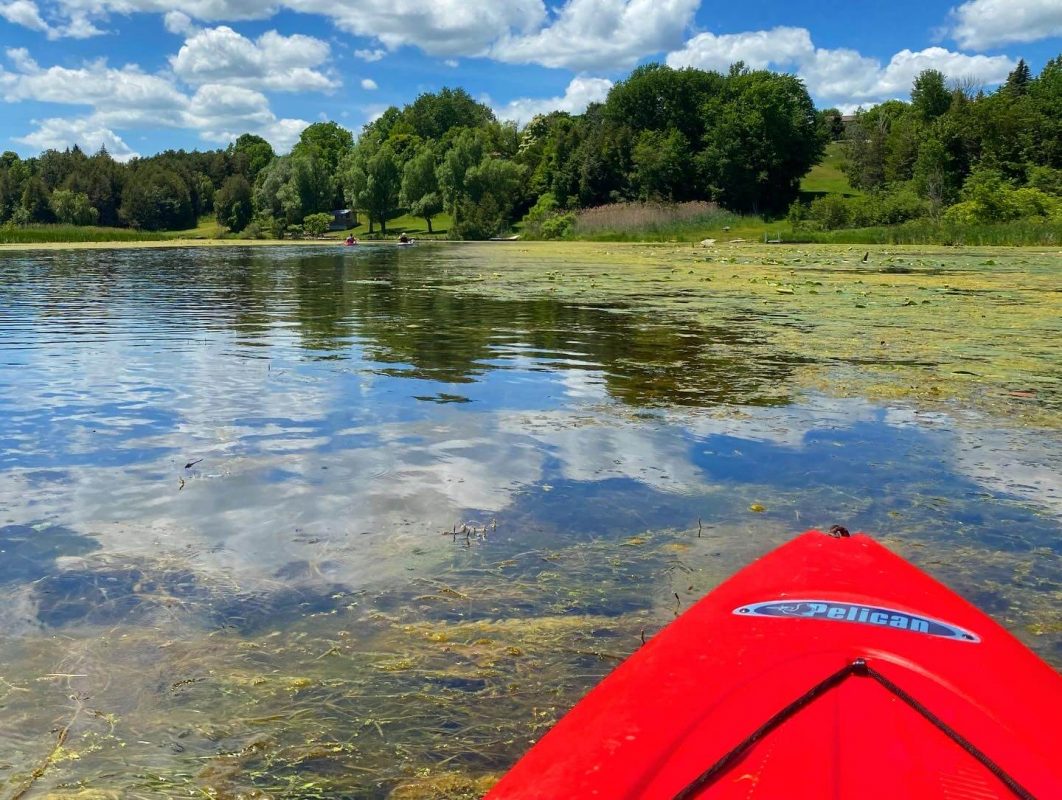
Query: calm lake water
{"x": 311, "y": 522}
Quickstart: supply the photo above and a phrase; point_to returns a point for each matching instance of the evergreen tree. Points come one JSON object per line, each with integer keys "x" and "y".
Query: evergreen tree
{"x": 1018, "y": 81}
{"x": 156, "y": 198}
{"x": 35, "y": 203}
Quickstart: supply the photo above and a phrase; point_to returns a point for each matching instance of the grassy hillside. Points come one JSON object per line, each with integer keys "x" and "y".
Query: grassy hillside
{"x": 826, "y": 177}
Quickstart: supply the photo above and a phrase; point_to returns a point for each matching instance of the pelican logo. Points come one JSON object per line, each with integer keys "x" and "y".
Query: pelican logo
{"x": 852, "y": 612}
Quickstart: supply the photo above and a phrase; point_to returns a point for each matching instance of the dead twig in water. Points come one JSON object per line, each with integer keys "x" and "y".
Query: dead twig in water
{"x": 60, "y": 740}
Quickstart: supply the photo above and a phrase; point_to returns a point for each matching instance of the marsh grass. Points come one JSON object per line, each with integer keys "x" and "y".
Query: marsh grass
{"x": 207, "y": 228}
{"x": 42, "y": 234}
{"x": 651, "y": 222}
{"x": 1004, "y": 234}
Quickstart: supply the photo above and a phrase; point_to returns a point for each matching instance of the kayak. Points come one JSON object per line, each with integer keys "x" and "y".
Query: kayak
{"x": 830, "y": 668}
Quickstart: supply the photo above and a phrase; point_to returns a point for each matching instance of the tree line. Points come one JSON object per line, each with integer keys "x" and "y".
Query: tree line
{"x": 743, "y": 139}
{"x": 953, "y": 153}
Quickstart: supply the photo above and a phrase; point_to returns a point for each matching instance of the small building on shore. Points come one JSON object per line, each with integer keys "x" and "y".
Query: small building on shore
{"x": 342, "y": 218}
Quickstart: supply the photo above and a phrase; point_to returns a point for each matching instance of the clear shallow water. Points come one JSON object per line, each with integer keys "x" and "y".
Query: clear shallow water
{"x": 227, "y": 478}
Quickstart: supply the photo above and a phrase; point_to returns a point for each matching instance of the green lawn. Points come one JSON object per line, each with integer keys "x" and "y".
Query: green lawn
{"x": 826, "y": 177}
{"x": 208, "y": 228}
{"x": 414, "y": 226}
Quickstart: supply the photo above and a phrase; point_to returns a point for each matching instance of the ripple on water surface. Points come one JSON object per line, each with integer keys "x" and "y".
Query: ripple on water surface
{"x": 314, "y": 523}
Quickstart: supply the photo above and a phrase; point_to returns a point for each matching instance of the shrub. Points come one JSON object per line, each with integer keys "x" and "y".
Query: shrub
{"x": 1046, "y": 179}
{"x": 480, "y": 220}
{"x": 316, "y": 224}
{"x": 988, "y": 198}
{"x": 1030, "y": 202}
{"x": 559, "y": 226}
{"x": 901, "y": 205}
{"x": 546, "y": 221}
{"x": 835, "y": 211}
{"x": 271, "y": 227}
{"x": 544, "y": 207}
{"x": 964, "y": 213}
{"x": 73, "y": 208}
{"x": 798, "y": 213}
{"x": 253, "y": 231}
{"x": 830, "y": 211}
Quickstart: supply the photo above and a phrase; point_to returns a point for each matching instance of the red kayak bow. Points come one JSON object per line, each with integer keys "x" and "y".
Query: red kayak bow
{"x": 830, "y": 668}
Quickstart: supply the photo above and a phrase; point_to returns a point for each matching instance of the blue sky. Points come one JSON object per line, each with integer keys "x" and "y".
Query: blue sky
{"x": 144, "y": 75}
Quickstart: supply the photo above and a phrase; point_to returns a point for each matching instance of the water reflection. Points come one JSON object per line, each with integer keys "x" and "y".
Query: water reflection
{"x": 305, "y": 417}
{"x": 30, "y": 553}
{"x": 303, "y": 516}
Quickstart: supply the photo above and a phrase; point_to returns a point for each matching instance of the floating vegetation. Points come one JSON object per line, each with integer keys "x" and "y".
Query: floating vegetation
{"x": 418, "y": 512}
{"x": 408, "y": 693}
{"x": 397, "y": 696}
{"x": 904, "y": 327}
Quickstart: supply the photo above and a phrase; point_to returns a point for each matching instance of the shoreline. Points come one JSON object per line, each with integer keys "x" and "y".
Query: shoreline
{"x": 186, "y": 243}
{"x": 550, "y": 244}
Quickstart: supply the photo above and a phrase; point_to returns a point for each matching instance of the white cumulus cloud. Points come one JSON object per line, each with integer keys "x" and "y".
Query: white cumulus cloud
{"x": 369, "y": 85}
{"x": 840, "y": 76}
{"x": 757, "y": 49}
{"x": 24, "y": 13}
{"x": 845, "y": 75}
{"x": 129, "y": 98}
{"x": 273, "y": 61}
{"x": 601, "y": 34}
{"x": 204, "y": 10}
{"x": 222, "y": 112}
{"x": 580, "y": 93}
{"x": 374, "y": 54}
{"x": 575, "y": 34}
{"x": 87, "y": 133}
{"x": 440, "y": 27}
{"x": 126, "y": 92}
{"x": 179, "y": 23}
{"x": 76, "y": 25}
{"x": 981, "y": 24}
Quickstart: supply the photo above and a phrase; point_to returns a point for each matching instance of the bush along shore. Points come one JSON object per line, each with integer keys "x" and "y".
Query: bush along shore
{"x": 743, "y": 153}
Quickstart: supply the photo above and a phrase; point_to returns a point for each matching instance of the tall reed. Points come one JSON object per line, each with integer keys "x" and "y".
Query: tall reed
{"x": 40, "y": 234}
{"x": 649, "y": 221}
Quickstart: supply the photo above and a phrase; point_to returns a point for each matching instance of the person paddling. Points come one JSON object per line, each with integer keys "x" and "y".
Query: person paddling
{"x": 403, "y": 238}
{"x": 350, "y": 241}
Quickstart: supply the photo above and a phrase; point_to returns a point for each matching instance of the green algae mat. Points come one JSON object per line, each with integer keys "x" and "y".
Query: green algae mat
{"x": 309, "y": 523}
{"x": 982, "y": 327}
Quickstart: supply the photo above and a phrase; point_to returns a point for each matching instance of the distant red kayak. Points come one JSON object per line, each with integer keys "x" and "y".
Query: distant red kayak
{"x": 830, "y": 668}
